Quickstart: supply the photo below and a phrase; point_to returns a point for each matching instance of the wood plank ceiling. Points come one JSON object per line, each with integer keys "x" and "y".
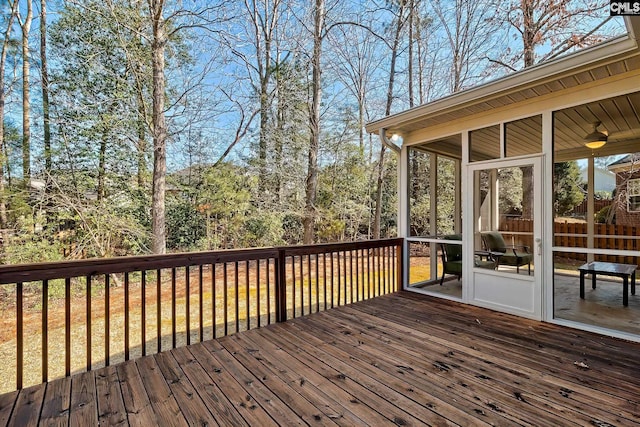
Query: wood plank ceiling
{"x": 620, "y": 118}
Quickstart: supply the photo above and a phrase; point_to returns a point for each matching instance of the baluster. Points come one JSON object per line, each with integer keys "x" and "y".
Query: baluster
{"x": 88, "y": 313}
{"x": 143, "y": 314}
{"x": 187, "y": 302}
{"x": 45, "y": 330}
{"x": 19, "y": 336}
{"x": 107, "y": 314}
{"x": 126, "y": 316}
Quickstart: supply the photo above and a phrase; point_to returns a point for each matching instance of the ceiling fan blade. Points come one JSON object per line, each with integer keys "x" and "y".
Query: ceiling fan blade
{"x": 624, "y": 134}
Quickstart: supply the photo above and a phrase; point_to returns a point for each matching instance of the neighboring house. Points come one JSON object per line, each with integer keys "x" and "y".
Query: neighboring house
{"x": 604, "y": 180}
{"x": 627, "y": 173}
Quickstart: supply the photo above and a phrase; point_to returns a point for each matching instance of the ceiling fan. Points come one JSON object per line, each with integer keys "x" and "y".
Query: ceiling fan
{"x": 597, "y": 139}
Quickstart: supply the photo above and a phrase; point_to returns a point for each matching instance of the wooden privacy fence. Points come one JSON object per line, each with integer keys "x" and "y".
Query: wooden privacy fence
{"x": 68, "y": 317}
{"x": 574, "y": 235}
{"x": 581, "y": 209}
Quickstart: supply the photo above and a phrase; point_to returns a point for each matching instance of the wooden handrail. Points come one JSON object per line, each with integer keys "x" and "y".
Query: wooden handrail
{"x": 247, "y": 287}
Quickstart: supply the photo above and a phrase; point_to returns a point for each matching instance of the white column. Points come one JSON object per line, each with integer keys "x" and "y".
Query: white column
{"x": 433, "y": 211}
{"x": 590, "y": 207}
{"x": 403, "y": 209}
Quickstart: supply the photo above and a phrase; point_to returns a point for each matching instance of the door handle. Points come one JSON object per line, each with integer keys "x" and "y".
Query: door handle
{"x": 539, "y": 245}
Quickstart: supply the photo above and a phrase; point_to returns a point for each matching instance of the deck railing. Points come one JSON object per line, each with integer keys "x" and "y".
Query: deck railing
{"x": 110, "y": 310}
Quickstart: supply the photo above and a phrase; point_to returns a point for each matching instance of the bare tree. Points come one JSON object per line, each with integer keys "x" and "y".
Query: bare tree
{"x": 265, "y": 16}
{"x": 311, "y": 188}
{"x": 563, "y": 24}
{"x": 401, "y": 16}
{"x": 3, "y": 60}
{"x": 468, "y": 30}
{"x": 25, "y": 26}
{"x": 45, "y": 92}
{"x": 159, "y": 126}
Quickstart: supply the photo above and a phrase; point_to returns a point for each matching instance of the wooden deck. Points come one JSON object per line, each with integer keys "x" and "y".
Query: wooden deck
{"x": 401, "y": 359}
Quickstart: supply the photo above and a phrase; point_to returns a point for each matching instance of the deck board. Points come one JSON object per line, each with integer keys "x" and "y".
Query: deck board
{"x": 7, "y": 402}
{"x": 207, "y": 390}
{"x": 401, "y": 359}
{"x": 57, "y": 401}
{"x": 135, "y": 398}
{"x": 28, "y": 406}
{"x": 508, "y": 377}
{"x": 83, "y": 410}
{"x": 164, "y": 404}
{"x": 111, "y": 410}
{"x": 338, "y": 400}
{"x": 467, "y": 376}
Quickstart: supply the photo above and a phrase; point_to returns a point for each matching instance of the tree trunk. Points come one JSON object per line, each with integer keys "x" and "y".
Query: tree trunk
{"x": 528, "y": 39}
{"x": 392, "y": 71}
{"x": 26, "y": 100}
{"x": 102, "y": 157}
{"x": 308, "y": 221}
{"x": 142, "y": 142}
{"x": 45, "y": 94}
{"x": 528, "y": 34}
{"x": 378, "y": 213}
{"x": 410, "y": 59}
{"x": 263, "y": 27}
{"x": 3, "y": 157}
{"x": 280, "y": 126}
{"x": 159, "y": 245}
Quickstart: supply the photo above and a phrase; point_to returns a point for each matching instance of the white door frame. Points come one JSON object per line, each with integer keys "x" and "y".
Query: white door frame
{"x": 504, "y": 291}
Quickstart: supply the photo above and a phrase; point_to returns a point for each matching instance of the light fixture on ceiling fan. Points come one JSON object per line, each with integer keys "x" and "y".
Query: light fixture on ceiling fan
{"x": 595, "y": 139}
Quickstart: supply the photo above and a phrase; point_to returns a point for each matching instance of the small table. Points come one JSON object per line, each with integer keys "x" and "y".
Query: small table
{"x": 610, "y": 269}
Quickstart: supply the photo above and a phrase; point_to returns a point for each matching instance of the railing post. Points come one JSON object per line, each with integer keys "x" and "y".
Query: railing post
{"x": 399, "y": 264}
{"x": 281, "y": 286}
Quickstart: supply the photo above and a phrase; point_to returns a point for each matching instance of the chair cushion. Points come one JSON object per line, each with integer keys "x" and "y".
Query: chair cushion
{"x": 484, "y": 264}
{"x": 453, "y": 267}
{"x": 453, "y": 251}
{"x": 494, "y": 241}
{"x": 517, "y": 259}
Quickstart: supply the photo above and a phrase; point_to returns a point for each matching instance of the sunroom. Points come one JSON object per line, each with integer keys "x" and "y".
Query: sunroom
{"x": 522, "y": 195}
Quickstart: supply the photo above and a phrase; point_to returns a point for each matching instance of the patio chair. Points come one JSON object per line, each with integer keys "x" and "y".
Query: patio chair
{"x": 513, "y": 255}
{"x": 452, "y": 258}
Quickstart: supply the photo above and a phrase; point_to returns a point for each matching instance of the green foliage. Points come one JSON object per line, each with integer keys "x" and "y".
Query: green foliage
{"x": 446, "y": 196}
{"x": 263, "y": 229}
{"x": 30, "y": 248}
{"x": 606, "y": 215}
{"x": 567, "y": 186}
{"x": 419, "y": 193}
{"x": 185, "y": 225}
{"x": 510, "y": 199}
{"x": 343, "y": 196}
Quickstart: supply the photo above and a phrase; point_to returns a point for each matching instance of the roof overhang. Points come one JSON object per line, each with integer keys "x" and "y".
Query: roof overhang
{"x": 616, "y": 55}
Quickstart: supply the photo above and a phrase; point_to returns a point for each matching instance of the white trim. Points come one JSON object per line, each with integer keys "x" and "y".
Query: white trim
{"x": 636, "y": 193}
{"x": 579, "y": 250}
{"x": 596, "y": 329}
{"x": 475, "y": 286}
{"x": 434, "y": 294}
{"x": 547, "y": 212}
